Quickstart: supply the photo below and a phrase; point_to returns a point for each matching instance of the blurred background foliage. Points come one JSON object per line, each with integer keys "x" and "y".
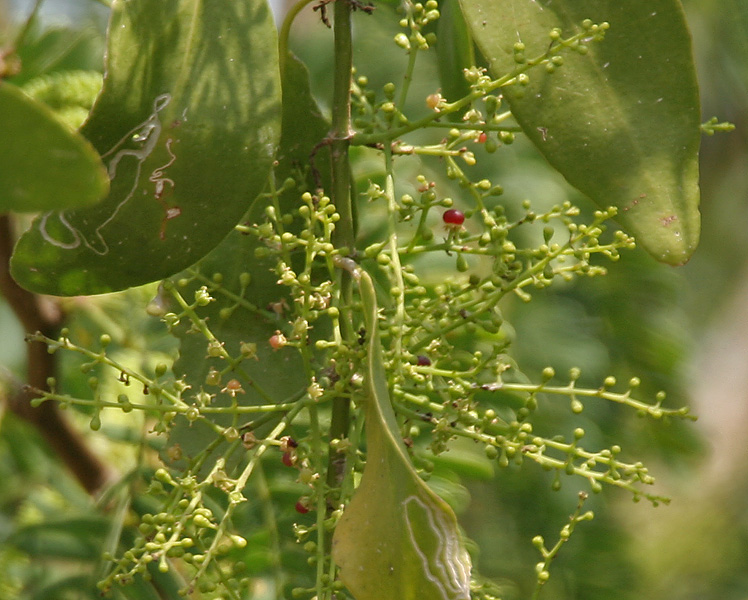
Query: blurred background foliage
{"x": 683, "y": 330}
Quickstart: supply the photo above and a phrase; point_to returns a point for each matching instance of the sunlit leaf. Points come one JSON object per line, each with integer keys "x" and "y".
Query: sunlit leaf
{"x": 69, "y": 94}
{"x": 396, "y": 538}
{"x": 187, "y": 124}
{"x": 620, "y": 122}
{"x": 44, "y": 165}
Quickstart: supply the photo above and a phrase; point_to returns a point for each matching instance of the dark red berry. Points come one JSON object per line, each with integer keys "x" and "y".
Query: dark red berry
{"x": 423, "y": 361}
{"x": 453, "y": 217}
{"x": 301, "y": 508}
{"x": 288, "y": 459}
{"x": 482, "y": 137}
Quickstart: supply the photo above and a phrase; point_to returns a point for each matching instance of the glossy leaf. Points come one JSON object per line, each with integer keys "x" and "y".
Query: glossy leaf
{"x": 44, "y": 165}
{"x": 620, "y": 122}
{"x": 396, "y": 538}
{"x": 187, "y": 124}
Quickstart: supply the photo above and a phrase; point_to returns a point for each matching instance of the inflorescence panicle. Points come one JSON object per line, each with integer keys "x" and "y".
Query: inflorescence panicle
{"x": 447, "y": 346}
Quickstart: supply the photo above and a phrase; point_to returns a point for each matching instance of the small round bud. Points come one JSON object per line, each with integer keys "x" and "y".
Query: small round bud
{"x": 402, "y": 40}
{"x": 213, "y": 377}
{"x": 462, "y": 263}
{"x": 277, "y": 341}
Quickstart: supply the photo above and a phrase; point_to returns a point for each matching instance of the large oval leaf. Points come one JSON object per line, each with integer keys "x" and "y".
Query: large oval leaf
{"x": 396, "y": 538}
{"x": 44, "y": 165}
{"x": 272, "y": 375}
{"x": 187, "y": 124}
{"x": 621, "y": 122}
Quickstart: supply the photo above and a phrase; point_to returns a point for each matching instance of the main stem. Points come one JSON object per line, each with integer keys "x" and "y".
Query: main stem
{"x": 341, "y": 126}
{"x": 341, "y": 196}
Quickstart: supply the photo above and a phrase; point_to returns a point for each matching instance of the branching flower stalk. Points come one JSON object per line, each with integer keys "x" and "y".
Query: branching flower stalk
{"x": 542, "y": 569}
{"x": 446, "y": 348}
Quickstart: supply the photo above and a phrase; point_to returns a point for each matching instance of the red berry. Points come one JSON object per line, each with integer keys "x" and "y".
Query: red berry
{"x": 423, "y": 361}
{"x": 288, "y": 459}
{"x": 482, "y": 137}
{"x": 453, "y": 217}
{"x": 301, "y": 508}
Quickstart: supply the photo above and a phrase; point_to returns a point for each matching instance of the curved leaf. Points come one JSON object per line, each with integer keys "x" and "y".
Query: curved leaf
{"x": 303, "y": 127}
{"x": 396, "y": 538}
{"x": 70, "y": 94}
{"x": 620, "y": 122}
{"x": 187, "y": 124}
{"x": 44, "y": 165}
{"x": 454, "y": 47}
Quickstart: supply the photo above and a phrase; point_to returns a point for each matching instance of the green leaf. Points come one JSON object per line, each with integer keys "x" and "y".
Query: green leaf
{"x": 303, "y": 127}
{"x": 72, "y": 538}
{"x": 396, "y": 538}
{"x": 70, "y": 94}
{"x": 620, "y": 122}
{"x": 454, "y": 49}
{"x": 241, "y": 313}
{"x": 275, "y": 375}
{"x": 187, "y": 123}
{"x": 55, "y": 49}
{"x": 44, "y": 165}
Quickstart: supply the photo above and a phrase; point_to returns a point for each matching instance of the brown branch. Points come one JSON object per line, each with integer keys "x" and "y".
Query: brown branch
{"x": 37, "y": 313}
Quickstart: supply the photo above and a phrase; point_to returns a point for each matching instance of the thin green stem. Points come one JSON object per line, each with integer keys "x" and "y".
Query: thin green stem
{"x": 268, "y": 515}
{"x": 285, "y": 30}
{"x": 396, "y": 270}
{"x": 236, "y": 495}
{"x": 479, "y": 91}
{"x": 549, "y": 555}
{"x": 408, "y": 77}
{"x": 317, "y": 459}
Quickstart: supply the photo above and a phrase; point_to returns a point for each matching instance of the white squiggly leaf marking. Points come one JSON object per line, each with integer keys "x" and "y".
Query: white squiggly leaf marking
{"x": 147, "y": 135}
